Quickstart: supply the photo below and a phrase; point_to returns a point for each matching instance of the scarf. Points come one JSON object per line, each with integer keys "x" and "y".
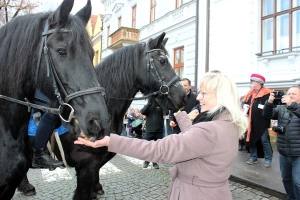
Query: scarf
{"x": 206, "y": 117}
{"x": 253, "y": 94}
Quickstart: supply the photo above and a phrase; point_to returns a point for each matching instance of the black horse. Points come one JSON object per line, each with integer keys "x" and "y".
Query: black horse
{"x": 51, "y": 52}
{"x": 141, "y": 67}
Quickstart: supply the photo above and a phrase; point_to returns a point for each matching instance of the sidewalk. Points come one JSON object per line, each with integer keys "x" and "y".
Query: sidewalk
{"x": 257, "y": 174}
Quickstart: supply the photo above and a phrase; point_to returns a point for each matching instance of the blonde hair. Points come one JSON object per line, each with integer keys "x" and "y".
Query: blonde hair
{"x": 227, "y": 97}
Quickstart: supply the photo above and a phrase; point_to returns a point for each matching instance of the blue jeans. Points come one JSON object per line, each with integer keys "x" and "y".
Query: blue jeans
{"x": 266, "y": 146}
{"x": 290, "y": 170}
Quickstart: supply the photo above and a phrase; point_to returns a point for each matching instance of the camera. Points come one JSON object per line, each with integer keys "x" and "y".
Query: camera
{"x": 278, "y": 96}
{"x": 278, "y": 129}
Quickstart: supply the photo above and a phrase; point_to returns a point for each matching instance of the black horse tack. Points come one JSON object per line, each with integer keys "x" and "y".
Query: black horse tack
{"x": 56, "y": 80}
{"x": 68, "y": 60}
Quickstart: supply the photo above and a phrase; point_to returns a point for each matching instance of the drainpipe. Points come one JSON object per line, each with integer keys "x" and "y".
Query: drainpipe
{"x": 207, "y": 35}
{"x": 196, "y": 41}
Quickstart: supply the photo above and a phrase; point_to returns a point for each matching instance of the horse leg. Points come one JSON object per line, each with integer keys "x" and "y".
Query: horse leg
{"x": 86, "y": 177}
{"x": 26, "y": 188}
{"x": 98, "y": 188}
{"x": 14, "y": 161}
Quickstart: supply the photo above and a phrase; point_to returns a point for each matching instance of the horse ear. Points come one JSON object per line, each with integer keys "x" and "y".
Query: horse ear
{"x": 155, "y": 43}
{"x": 61, "y": 14}
{"x": 85, "y": 12}
{"x": 164, "y": 42}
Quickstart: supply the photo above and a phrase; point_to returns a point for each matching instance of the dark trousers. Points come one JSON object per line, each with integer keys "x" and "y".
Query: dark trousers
{"x": 153, "y": 136}
{"x": 169, "y": 130}
{"x": 45, "y": 129}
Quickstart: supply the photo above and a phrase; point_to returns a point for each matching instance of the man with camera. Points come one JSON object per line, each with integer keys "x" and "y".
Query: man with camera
{"x": 288, "y": 138}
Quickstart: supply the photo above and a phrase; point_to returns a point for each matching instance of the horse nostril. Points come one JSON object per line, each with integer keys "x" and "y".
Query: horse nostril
{"x": 94, "y": 126}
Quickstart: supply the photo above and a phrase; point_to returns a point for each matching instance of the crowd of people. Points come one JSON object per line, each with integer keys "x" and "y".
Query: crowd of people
{"x": 208, "y": 143}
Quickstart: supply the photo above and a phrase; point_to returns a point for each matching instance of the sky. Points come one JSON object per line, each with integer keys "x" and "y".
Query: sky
{"x": 50, "y": 5}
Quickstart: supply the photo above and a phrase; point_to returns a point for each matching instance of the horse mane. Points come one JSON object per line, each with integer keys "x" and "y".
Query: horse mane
{"x": 126, "y": 60}
{"x": 19, "y": 47}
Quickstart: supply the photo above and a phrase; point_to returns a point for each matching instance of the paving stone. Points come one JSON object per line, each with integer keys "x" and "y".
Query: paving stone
{"x": 122, "y": 178}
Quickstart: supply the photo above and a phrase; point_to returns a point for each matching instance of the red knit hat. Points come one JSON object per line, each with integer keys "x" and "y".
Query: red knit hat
{"x": 258, "y": 78}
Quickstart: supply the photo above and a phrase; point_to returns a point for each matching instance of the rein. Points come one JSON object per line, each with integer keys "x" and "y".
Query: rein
{"x": 56, "y": 81}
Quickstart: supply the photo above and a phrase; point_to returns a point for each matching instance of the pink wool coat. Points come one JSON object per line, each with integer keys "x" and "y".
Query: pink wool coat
{"x": 203, "y": 154}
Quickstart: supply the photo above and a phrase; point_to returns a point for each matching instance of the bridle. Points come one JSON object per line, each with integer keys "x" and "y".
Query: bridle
{"x": 56, "y": 82}
{"x": 164, "y": 88}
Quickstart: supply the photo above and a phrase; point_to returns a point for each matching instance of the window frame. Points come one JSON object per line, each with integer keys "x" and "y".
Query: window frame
{"x": 108, "y": 32}
{"x": 152, "y": 8}
{"x": 275, "y": 17}
{"x": 133, "y": 17}
{"x": 119, "y": 21}
{"x": 177, "y": 5}
{"x": 180, "y": 64}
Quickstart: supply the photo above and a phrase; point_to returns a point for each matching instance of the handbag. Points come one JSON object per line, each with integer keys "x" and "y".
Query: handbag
{"x": 137, "y": 122}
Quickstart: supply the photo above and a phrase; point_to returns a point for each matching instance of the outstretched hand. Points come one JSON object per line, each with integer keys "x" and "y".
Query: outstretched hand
{"x": 98, "y": 143}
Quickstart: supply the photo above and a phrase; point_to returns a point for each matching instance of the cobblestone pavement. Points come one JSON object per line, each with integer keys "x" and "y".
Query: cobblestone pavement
{"x": 122, "y": 178}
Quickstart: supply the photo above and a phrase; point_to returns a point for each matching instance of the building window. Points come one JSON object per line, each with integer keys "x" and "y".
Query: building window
{"x": 179, "y": 61}
{"x": 178, "y": 3}
{"x": 280, "y": 26}
{"x": 152, "y": 10}
{"x": 108, "y": 32}
{"x": 134, "y": 16}
{"x": 96, "y": 58}
{"x": 119, "y": 22}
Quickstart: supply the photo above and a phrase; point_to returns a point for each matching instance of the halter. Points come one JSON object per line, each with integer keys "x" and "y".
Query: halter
{"x": 56, "y": 81}
{"x": 164, "y": 88}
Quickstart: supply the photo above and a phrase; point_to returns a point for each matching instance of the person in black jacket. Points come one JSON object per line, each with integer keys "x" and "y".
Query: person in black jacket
{"x": 154, "y": 124}
{"x": 191, "y": 103}
{"x": 288, "y": 138}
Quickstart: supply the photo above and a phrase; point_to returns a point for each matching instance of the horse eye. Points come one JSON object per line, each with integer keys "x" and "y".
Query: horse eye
{"x": 62, "y": 52}
{"x": 162, "y": 61}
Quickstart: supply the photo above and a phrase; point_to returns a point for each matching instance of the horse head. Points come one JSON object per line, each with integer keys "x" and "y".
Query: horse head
{"x": 70, "y": 80}
{"x": 161, "y": 76}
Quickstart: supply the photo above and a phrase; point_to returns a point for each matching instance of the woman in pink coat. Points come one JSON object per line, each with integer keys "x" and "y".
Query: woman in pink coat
{"x": 203, "y": 152}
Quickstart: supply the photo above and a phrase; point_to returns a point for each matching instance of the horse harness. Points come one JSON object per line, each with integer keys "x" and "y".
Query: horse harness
{"x": 56, "y": 81}
{"x": 164, "y": 88}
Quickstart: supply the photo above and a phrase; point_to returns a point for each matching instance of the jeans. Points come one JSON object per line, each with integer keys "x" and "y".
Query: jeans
{"x": 266, "y": 146}
{"x": 290, "y": 170}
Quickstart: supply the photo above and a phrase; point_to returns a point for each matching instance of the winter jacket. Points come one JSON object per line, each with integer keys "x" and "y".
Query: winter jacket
{"x": 288, "y": 143}
{"x": 203, "y": 154}
{"x": 154, "y": 118}
{"x": 259, "y": 124}
{"x": 191, "y": 103}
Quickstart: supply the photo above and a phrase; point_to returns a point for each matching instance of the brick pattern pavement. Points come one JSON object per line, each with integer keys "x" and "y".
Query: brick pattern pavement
{"x": 123, "y": 178}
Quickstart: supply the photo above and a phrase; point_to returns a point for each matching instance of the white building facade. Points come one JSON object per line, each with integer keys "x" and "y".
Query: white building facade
{"x": 256, "y": 36}
{"x": 237, "y": 37}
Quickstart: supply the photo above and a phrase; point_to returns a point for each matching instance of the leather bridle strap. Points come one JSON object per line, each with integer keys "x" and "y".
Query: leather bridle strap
{"x": 32, "y": 105}
{"x": 160, "y": 92}
{"x": 84, "y": 92}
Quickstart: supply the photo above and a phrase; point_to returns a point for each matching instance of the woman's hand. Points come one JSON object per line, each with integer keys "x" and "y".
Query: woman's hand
{"x": 98, "y": 143}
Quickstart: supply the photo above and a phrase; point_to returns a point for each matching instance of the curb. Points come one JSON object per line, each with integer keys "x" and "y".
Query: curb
{"x": 256, "y": 186}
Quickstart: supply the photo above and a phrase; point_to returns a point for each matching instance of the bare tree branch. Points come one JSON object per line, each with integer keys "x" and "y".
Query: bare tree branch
{"x": 10, "y": 9}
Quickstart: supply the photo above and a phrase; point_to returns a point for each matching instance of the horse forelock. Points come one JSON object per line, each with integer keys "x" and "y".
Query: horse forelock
{"x": 80, "y": 36}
